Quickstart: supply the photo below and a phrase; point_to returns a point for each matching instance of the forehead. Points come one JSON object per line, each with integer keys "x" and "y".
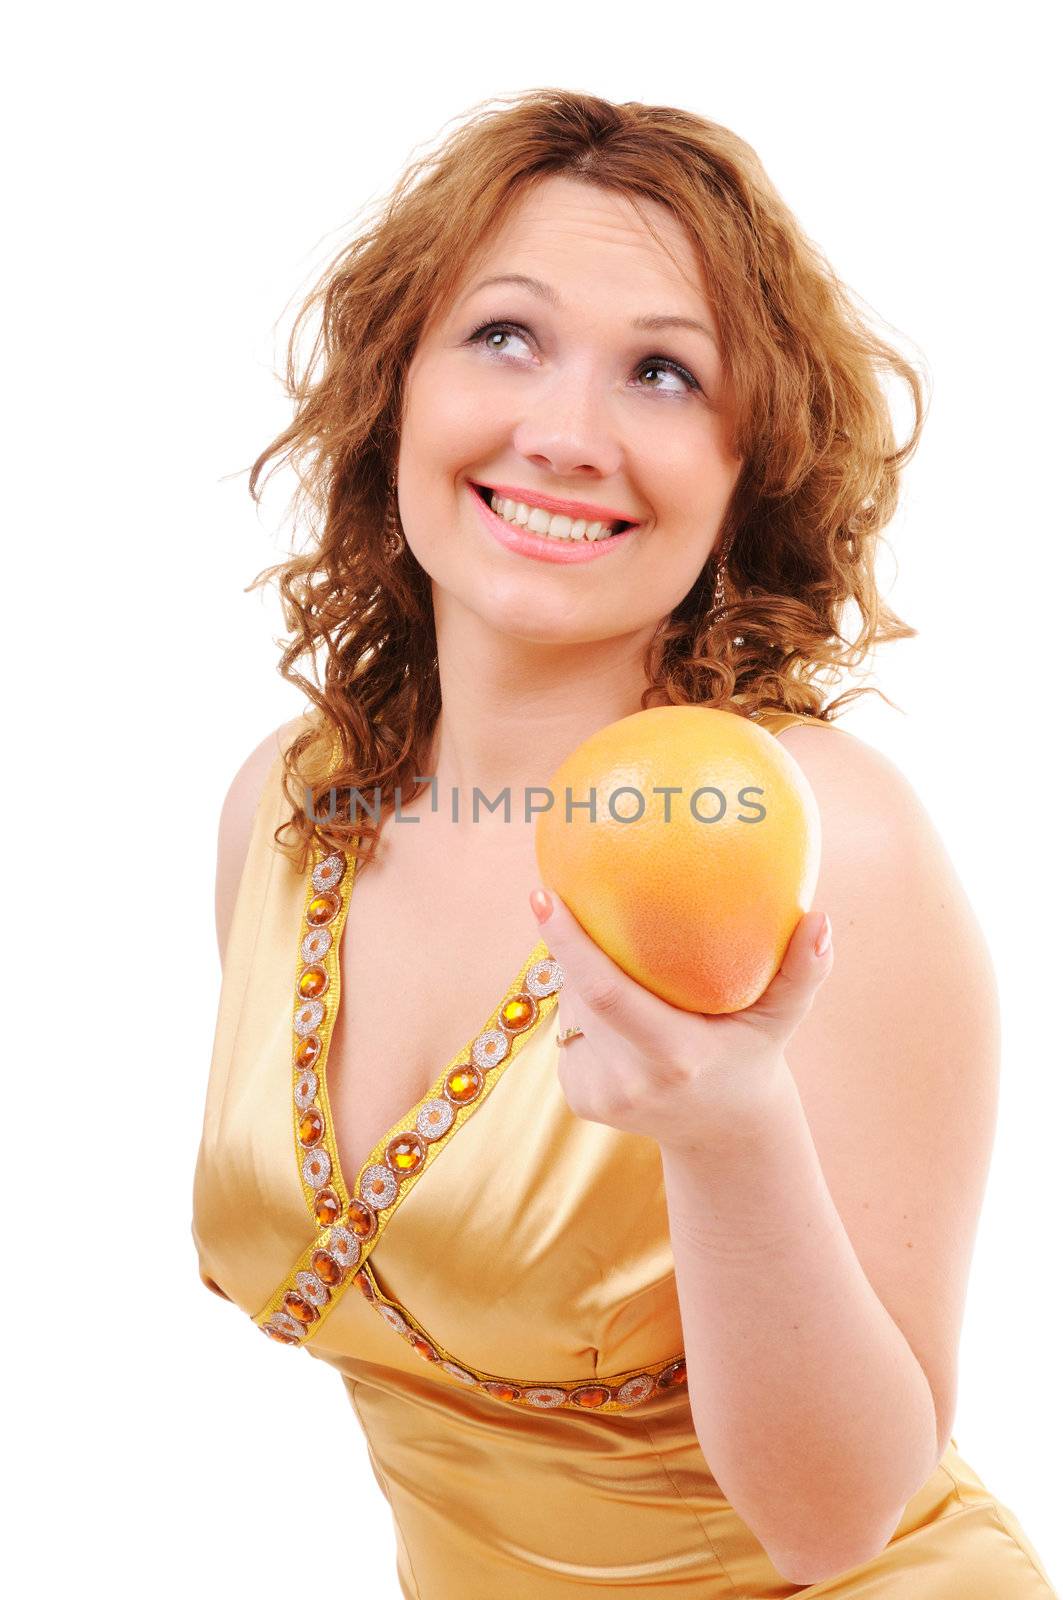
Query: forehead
{"x": 584, "y": 241}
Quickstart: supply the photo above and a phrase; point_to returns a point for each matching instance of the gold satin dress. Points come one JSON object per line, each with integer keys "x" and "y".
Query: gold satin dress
{"x": 496, "y": 1288}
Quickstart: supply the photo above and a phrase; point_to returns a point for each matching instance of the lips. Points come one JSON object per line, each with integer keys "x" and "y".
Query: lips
{"x": 615, "y": 529}
{"x": 542, "y": 547}
{"x": 550, "y": 503}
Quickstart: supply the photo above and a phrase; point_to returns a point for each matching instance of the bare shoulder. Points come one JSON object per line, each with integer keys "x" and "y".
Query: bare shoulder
{"x": 895, "y": 898}
{"x": 878, "y": 836}
{"x": 865, "y": 784}
{"x": 237, "y": 817}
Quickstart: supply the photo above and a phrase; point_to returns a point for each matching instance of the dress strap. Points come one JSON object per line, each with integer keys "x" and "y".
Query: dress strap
{"x": 776, "y": 721}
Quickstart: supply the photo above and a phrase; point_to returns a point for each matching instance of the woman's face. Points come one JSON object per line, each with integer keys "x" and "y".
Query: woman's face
{"x": 570, "y": 400}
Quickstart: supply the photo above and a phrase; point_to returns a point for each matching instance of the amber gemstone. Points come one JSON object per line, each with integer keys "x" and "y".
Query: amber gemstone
{"x": 501, "y": 1391}
{"x": 307, "y": 1052}
{"x": 276, "y": 1333}
{"x": 423, "y": 1348}
{"x": 673, "y": 1376}
{"x": 362, "y": 1280}
{"x": 299, "y": 1308}
{"x": 327, "y": 1267}
{"x": 326, "y": 1206}
{"x": 312, "y": 983}
{"x": 361, "y": 1218}
{"x": 405, "y": 1153}
{"x": 322, "y": 909}
{"x": 590, "y": 1397}
{"x": 464, "y": 1084}
{"x": 518, "y": 1013}
{"x": 311, "y": 1127}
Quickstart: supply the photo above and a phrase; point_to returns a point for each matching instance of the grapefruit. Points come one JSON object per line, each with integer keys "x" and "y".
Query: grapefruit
{"x": 699, "y": 858}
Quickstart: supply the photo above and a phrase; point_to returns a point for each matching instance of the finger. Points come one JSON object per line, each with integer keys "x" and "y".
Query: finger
{"x": 603, "y": 989}
{"x": 790, "y": 994}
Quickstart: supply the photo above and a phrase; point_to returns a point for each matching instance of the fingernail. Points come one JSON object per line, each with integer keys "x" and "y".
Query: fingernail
{"x": 541, "y": 904}
{"x": 822, "y": 944}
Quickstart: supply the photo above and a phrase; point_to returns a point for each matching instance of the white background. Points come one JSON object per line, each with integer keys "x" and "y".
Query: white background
{"x": 177, "y": 174}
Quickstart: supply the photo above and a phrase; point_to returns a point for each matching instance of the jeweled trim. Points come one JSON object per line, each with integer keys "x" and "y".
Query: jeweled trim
{"x": 461, "y": 1088}
{"x": 339, "y": 1255}
{"x": 622, "y": 1392}
{"x": 400, "y": 1159}
{"x": 294, "y": 1312}
{"x": 315, "y": 1002}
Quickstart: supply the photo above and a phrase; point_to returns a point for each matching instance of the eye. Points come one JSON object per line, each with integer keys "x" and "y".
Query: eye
{"x": 510, "y": 330}
{"x": 666, "y": 364}
{"x": 507, "y": 329}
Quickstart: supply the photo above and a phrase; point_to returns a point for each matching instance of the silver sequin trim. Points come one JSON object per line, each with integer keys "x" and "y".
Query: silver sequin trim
{"x": 634, "y": 1390}
{"x": 308, "y": 1017}
{"x": 394, "y": 1319}
{"x": 545, "y": 1398}
{"x": 458, "y": 1372}
{"x": 389, "y": 1186}
{"x": 435, "y": 1118}
{"x": 317, "y": 1168}
{"x": 344, "y": 1246}
{"x": 311, "y": 1288}
{"x": 327, "y": 873}
{"x": 316, "y": 945}
{"x": 546, "y": 977}
{"x": 490, "y": 1048}
{"x": 285, "y": 1324}
{"x": 305, "y": 1090}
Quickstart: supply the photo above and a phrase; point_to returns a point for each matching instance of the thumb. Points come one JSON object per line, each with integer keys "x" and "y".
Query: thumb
{"x": 595, "y": 986}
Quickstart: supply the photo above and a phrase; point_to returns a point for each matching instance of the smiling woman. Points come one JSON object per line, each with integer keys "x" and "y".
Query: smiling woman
{"x": 671, "y": 1308}
{"x": 563, "y": 289}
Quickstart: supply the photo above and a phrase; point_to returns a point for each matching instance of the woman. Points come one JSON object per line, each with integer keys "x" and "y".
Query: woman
{"x": 626, "y": 1299}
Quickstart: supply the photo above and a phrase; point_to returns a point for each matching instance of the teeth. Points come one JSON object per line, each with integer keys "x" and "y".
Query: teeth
{"x": 536, "y": 520}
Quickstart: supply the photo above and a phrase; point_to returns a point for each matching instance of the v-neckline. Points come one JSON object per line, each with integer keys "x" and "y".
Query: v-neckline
{"x": 318, "y": 997}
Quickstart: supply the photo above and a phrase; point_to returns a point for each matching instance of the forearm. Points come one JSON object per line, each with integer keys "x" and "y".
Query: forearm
{"x": 812, "y": 1412}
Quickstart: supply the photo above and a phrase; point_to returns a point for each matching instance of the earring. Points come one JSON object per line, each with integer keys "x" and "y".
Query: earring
{"x": 718, "y": 595}
{"x": 392, "y": 531}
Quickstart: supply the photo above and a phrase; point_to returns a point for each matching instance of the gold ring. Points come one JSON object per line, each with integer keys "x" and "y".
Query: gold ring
{"x": 567, "y": 1034}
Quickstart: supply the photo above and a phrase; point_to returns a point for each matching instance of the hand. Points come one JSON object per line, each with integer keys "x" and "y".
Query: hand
{"x": 647, "y": 1067}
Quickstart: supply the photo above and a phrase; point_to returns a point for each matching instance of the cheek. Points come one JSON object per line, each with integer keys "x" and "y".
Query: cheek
{"x": 451, "y": 425}
{"x": 676, "y": 570}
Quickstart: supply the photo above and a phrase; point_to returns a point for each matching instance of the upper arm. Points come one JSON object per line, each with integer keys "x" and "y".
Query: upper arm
{"x": 897, "y": 1063}
{"x": 237, "y": 817}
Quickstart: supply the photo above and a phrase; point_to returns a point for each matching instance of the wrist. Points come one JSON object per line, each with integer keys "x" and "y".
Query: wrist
{"x": 735, "y": 1190}
{"x": 739, "y": 1112}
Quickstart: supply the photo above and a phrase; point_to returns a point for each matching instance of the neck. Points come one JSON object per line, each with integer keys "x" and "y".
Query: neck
{"x": 513, "y": 709}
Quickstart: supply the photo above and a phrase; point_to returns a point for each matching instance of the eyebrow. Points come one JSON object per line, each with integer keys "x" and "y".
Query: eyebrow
{"x": 544, "y": 291}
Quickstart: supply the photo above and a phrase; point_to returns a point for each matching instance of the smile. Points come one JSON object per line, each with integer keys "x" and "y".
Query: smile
{"x": 523, "y": 540}
{"x": 551, "y": 524}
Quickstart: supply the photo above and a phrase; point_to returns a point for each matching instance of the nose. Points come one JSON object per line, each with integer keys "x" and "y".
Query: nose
{"x": 567, "y": 429}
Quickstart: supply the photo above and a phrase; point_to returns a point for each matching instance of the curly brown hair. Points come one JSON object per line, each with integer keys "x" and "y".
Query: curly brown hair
{"x": 810, "y": 418}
